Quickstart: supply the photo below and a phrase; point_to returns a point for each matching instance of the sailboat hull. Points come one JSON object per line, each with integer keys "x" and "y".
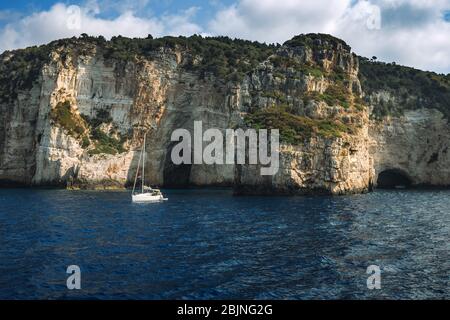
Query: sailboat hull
{"x": 147, "y": 197}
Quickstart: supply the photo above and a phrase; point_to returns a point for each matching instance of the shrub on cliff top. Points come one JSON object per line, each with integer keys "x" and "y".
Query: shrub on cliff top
{"x": 412, "y": 88}
{"x": 317, "y": 41}
{"x": 222, "y": 56}
{"x": 19, "y": 70}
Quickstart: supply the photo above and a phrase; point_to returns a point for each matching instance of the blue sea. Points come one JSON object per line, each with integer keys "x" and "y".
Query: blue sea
{"x": 209, "y": 244}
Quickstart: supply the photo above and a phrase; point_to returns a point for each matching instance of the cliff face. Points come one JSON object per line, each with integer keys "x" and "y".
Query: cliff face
{"x": 74, "y": 115}
{"x": 317, "y": 79}
{"x": 107, "y": 101}
{"x": 414, "y": 145}
{"x": 409, "y": 127}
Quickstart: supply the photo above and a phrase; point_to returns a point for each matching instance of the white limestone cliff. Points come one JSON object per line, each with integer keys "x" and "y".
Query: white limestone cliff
{"x": 156, "y": 92}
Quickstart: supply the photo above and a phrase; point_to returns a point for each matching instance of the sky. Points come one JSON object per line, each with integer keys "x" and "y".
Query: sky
{"x": 409, "y": 32}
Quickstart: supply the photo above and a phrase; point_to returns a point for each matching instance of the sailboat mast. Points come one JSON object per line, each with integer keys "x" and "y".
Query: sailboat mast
{"x": 143, "y": 162}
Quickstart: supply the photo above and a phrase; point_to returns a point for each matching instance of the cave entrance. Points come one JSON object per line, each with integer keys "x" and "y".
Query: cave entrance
{"x": 393, "y": 178}
{"x": 175, "y": 175}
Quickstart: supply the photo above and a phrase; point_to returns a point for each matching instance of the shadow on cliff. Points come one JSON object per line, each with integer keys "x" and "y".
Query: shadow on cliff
{"x": 175, "y": 176}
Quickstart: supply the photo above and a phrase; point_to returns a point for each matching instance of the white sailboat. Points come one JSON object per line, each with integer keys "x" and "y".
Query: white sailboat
{"x": 146, "y": 193}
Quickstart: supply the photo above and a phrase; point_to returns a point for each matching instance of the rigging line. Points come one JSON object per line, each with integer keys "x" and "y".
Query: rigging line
{"x": 137, "y": 171}
{"x": 143, "y": 162}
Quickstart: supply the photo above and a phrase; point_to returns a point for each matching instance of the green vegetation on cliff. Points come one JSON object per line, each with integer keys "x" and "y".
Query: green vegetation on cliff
{"x": 333, "y": 95}
{"x": 224, "y": 57}
{"x": 230, "y": 60}
{"x": 101, "y": 116}
{"x": 316, "y": 41}
{"x": 295, "y": 129}
{"x": 103, "y": 142}
{"x": 282, "y": 63}
{"x": 412, "y": 88}
{"x": 87, "y": 130}
{"x": 63, "y": 116}
{"x": 106, "y": 144}
{"x": 19, "y": 69}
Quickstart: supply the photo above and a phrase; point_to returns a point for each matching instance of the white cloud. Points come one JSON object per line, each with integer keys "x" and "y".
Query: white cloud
{"x": 410, "y": 32}
{"x": 58, "y": 22}
{"x": 423, "y": 44}
{"x": 277, "y": 21}
{"x": 175, "y": 25}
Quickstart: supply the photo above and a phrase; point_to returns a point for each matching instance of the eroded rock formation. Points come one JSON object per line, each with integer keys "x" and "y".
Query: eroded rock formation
{"x": 74, "y": 115}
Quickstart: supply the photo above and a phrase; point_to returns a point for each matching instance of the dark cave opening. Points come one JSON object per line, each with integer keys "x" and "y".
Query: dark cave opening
{"x": 175, "y": 175}
{"x": 393, "y": 178}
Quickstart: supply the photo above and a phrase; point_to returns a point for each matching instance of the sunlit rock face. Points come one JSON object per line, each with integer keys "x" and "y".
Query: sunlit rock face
{"x": 80, "y": 122}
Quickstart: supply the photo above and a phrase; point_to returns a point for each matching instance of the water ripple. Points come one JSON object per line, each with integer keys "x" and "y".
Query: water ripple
{"x": 207, "y": 244}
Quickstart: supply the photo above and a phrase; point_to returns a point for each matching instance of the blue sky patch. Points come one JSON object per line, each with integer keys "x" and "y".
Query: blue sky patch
{"x": 446, "y": 15}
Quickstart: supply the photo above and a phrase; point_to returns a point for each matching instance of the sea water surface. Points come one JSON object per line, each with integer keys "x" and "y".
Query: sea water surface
{"x": 209, "y": 244}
